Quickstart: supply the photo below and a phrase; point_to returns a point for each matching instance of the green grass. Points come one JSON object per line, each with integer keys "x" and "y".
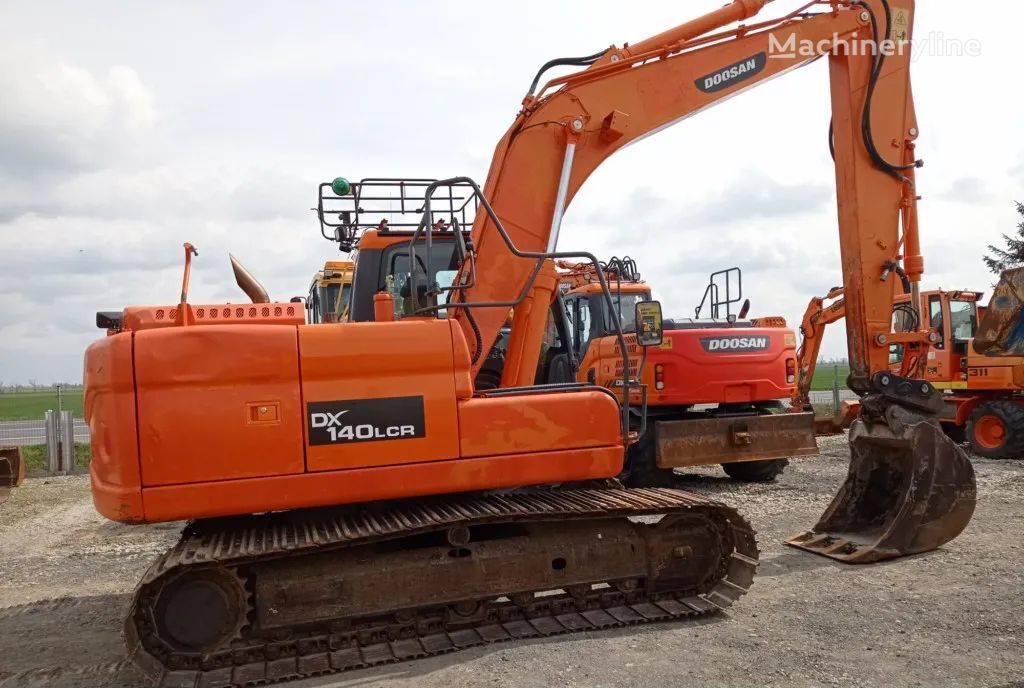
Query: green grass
{"x": 35, "y": 458}
{"x": 32, "y": 405}
{"x": 824, "y": 373}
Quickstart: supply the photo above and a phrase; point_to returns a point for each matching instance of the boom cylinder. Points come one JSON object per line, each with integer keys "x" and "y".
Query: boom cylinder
{"x": 733, "y": 12}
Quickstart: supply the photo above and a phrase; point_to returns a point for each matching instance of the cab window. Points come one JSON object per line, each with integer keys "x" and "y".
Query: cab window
{"x": 344, "y": 299}
{"x": 577, "y": 312}
{"x": 398, "y": 280}
{"x": 582, "y": 324}
{"x": 624, "y": 306}
{"x": 963, "y": 320}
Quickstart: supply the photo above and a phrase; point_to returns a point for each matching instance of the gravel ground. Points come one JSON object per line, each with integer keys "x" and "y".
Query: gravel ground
{"x": 950, "y": 617}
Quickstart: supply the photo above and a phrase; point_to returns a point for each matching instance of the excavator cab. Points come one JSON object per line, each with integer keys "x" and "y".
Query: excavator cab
{"x": 330, "y": 293}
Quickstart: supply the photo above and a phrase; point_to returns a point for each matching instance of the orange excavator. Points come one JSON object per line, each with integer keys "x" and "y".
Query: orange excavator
{"x": 354, "y": 500}
{"x": 973, "y": 356}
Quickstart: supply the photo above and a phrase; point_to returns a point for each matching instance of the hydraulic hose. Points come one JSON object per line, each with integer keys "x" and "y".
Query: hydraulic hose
{"x": 564, "y": 61}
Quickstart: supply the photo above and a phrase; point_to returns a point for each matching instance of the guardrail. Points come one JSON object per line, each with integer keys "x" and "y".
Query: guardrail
{"x": 44, "y": 419}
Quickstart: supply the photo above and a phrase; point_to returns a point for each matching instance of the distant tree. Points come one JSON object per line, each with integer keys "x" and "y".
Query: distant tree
{"x": 1013, "y": 255}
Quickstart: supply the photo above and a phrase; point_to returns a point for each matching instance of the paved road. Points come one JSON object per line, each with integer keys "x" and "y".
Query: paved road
{"x": 27, "y": 432}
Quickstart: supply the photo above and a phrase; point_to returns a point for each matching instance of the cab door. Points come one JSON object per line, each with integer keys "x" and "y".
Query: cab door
{"x": 939, "y": 368}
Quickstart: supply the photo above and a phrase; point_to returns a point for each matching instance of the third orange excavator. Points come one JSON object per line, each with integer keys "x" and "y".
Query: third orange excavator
{"x": 353, "y": 499}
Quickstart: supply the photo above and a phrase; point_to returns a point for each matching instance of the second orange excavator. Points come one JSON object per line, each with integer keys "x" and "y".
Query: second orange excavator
{"x": 354, "y": 499}
{"x": 974, "y": 356}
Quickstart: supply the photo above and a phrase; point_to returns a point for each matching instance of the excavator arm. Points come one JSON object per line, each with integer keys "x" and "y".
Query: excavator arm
{"x": 816, "y": 318}
{"x": 574, "y": 123}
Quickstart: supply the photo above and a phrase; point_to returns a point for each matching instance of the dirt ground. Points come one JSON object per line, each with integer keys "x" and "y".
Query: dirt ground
{"x": 950, "y": 617}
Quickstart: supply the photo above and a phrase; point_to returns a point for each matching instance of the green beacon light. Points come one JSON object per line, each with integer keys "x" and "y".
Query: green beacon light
{"x": 341, "y": 186}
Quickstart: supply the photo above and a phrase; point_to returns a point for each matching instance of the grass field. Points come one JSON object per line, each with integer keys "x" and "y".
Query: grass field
{"x": 35, "y": 458}
{"x": 825, "y": 373}
{"x": 32, "y": 405}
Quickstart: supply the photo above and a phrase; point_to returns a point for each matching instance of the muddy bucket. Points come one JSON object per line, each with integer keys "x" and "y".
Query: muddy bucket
{"x": 910, "y": 489}
{"x": 12, "y": 468}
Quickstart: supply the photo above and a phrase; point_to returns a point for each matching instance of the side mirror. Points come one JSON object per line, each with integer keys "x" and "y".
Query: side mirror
{"x": 649, "y": 331}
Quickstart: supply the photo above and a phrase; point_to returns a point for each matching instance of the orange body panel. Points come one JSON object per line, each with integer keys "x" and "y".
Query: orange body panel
{"x": 408, "y": 359}
{"x": 218, "y": 402}
{"x": 693, "y": 375}
{"x": 137, "y": 318}
{"x": 110, "y": 412}
{"x": 225, "y": 426}
{"x": 204, "y": 500}
{"x": 514, "y": 424}
{"x": 995, "y": 373}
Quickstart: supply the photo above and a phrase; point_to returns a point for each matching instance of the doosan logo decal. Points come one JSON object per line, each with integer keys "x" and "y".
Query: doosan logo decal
{"x": 725, "y": 345}
{"x": 733, "y": 74}
{"x": 365, "y": 420}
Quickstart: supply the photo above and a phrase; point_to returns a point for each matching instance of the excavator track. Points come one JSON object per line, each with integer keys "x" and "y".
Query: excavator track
{"x": 260, "y": 599}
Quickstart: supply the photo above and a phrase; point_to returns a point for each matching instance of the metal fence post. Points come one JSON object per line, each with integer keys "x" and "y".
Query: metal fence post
{"x": 50, "y": 423}
{"x": 835, "y": 389}
{"x": 67, "y": 434}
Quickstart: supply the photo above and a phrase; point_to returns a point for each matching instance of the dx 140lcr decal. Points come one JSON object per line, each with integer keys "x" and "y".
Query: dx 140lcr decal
{"x": 365, "y": 420}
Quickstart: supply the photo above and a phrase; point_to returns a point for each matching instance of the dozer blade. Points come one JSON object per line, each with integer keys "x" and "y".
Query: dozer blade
{"x": 910, "y": 489}
{"x": 728, "y": 439}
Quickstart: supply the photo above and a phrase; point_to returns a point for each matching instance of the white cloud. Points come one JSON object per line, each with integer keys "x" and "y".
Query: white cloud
{"x": 1018, "y": 171}
{"x": 126, "y": 131}
{"x": 969, "y": 190}
{"x": 59, "y": 118}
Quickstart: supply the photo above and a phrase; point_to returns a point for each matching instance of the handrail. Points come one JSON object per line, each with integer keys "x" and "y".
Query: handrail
{"x": 426, "y": 229}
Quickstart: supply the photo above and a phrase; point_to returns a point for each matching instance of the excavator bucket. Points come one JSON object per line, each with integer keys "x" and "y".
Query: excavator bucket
{"x": 1000, "y": 332}
{"x": 12, "y": 470}
{"x": 839, "y": 423}
{"x": 910, "y": 489}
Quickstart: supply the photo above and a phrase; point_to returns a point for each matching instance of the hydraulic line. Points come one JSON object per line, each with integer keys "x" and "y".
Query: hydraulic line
{"x": 876, "y": 72}
{"x": 564, "y": 62}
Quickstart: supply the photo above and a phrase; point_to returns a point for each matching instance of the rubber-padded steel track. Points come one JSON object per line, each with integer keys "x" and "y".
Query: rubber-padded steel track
{"x": 240, "y": 545}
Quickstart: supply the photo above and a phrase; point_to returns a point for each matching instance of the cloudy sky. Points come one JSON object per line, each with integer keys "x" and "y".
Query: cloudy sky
{"x": 128, "y": 128}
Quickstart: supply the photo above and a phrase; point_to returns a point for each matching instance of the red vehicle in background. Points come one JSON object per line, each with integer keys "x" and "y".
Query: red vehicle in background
{"x": 713, "y": 386}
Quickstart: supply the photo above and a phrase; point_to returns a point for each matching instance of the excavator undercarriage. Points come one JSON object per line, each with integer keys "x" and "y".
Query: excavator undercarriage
{"x": 242, "y": 601}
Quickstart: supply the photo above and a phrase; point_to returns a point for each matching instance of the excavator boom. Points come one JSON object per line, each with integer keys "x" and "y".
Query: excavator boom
{"x": 576, "y": 122}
